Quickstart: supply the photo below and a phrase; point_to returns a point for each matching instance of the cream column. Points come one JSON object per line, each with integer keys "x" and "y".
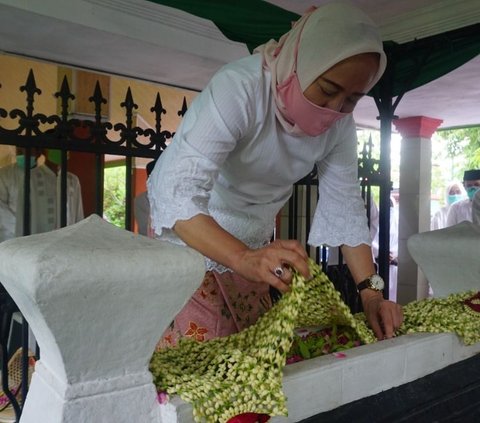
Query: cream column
{"x": 414, "y": 200}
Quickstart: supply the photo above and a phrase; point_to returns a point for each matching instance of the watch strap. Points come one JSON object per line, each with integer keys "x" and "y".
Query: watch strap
{"x": 363, "y": 285}
{"x": 369, "y": 284}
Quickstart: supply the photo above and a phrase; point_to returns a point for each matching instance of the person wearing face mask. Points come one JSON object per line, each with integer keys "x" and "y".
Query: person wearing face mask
{"x": 260, "y": 125}
{"x": 453, "y": 193}
{"x": 7, "y": 155}
{"x": 141, "y": 207}
{"x": 74, "y": 189}
{"x": 44, "y": 195}
{"x": 476, "y": 208}
{"x": 462, "y": 210}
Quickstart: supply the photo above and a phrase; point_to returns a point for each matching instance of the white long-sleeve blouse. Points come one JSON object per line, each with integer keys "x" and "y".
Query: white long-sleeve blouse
{"x": 231, "y": 159}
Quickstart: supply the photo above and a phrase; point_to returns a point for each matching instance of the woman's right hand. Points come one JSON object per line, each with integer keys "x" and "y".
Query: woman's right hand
{"x": 259, "y": 265}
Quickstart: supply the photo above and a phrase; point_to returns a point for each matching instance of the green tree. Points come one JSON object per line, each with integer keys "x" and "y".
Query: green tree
{"x": 114, "y": 195}
{"x": 453, "y": 151}
{"x": 464, "y": 141}
{"x": 472, "y": 150}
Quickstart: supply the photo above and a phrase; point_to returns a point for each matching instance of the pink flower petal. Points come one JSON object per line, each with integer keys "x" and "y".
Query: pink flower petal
{"x": 162, "y": 397}
{"x": 339, "y": 355}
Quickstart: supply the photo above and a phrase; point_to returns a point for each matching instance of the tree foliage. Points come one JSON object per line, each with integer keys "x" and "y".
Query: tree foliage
{"x": 466, "y": 142}
{"x": 453, "y": 152}
{"x": 114, "y": 195}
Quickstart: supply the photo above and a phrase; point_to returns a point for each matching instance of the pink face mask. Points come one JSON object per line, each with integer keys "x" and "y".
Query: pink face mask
{"x": 313, "y": 120}
{"x": 310, "y": 118}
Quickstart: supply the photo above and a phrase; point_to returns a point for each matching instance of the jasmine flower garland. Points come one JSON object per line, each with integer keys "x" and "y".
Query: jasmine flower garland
{"x": 439, "y": 315}
{"x": 242, "y": 373}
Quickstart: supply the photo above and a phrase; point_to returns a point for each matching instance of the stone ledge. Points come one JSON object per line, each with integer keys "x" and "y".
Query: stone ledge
{"x": 324, "y": 383}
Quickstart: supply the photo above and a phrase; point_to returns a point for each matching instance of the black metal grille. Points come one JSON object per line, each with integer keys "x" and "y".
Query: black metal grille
{"x": 71, "y": 134}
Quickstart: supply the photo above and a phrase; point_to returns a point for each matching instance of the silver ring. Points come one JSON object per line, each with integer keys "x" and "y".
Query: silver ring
{"x": 278, "y": 272}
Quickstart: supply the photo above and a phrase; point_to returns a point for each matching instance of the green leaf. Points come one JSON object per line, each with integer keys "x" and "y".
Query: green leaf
{"x": 304, "y": 351}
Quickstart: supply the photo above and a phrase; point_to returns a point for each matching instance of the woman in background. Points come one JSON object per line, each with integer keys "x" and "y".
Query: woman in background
{"x": 453, "y": 193}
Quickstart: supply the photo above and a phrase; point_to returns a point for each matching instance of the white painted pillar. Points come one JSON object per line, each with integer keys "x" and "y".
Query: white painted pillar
{"x": 98, "y": 299}
{"x": 414, "y": 200}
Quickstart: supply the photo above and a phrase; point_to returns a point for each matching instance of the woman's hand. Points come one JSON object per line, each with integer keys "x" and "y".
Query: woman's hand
{"x": 384, "y": 317}
{"x": 206, "y": 236}
{"x": 259, "y": 265}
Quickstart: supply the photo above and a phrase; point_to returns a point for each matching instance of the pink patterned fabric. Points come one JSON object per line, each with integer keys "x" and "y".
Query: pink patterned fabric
{"x": 225, "y": 303}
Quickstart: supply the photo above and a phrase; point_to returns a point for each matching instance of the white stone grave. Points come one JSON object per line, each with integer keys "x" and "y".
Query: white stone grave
{"x": 97, "y": 299}
{"x": 449, "y": 258}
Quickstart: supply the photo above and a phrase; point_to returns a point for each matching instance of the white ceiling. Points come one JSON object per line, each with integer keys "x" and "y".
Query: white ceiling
{"x": 454, "y": 98}
{"x": 141, "y": 39}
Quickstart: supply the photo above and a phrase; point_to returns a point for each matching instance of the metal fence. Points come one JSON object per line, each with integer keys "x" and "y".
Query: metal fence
{"x": 36, "y": 131}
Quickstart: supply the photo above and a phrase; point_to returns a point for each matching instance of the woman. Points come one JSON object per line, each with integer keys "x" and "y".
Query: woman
{"x": 260, "y": 125}
{"x": 453, "y": 193}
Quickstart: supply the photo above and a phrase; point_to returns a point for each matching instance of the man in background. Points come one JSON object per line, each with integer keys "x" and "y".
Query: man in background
{"x": 142, "y": 206}
{"x": 7, "y": 154}
{"x": 462, "y": 210}
{"x": 44, "y": 195}
{"x": 74, "y": 190}
{"x": 393, "y": 254}
{"x": 476, "y": 208}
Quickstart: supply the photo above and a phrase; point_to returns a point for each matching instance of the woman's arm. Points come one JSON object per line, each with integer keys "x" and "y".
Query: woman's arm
{"x": 384, "y": 316}
{"x": 202, "y": 233}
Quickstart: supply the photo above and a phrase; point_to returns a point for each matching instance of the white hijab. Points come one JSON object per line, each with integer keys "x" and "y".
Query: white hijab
{"x": 329, "y": 34}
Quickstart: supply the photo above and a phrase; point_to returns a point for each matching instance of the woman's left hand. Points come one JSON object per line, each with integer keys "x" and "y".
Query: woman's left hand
{"x": 384, "y": 317}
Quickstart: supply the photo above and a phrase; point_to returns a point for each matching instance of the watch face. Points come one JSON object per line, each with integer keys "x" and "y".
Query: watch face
{"x": 376, "y": 282}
